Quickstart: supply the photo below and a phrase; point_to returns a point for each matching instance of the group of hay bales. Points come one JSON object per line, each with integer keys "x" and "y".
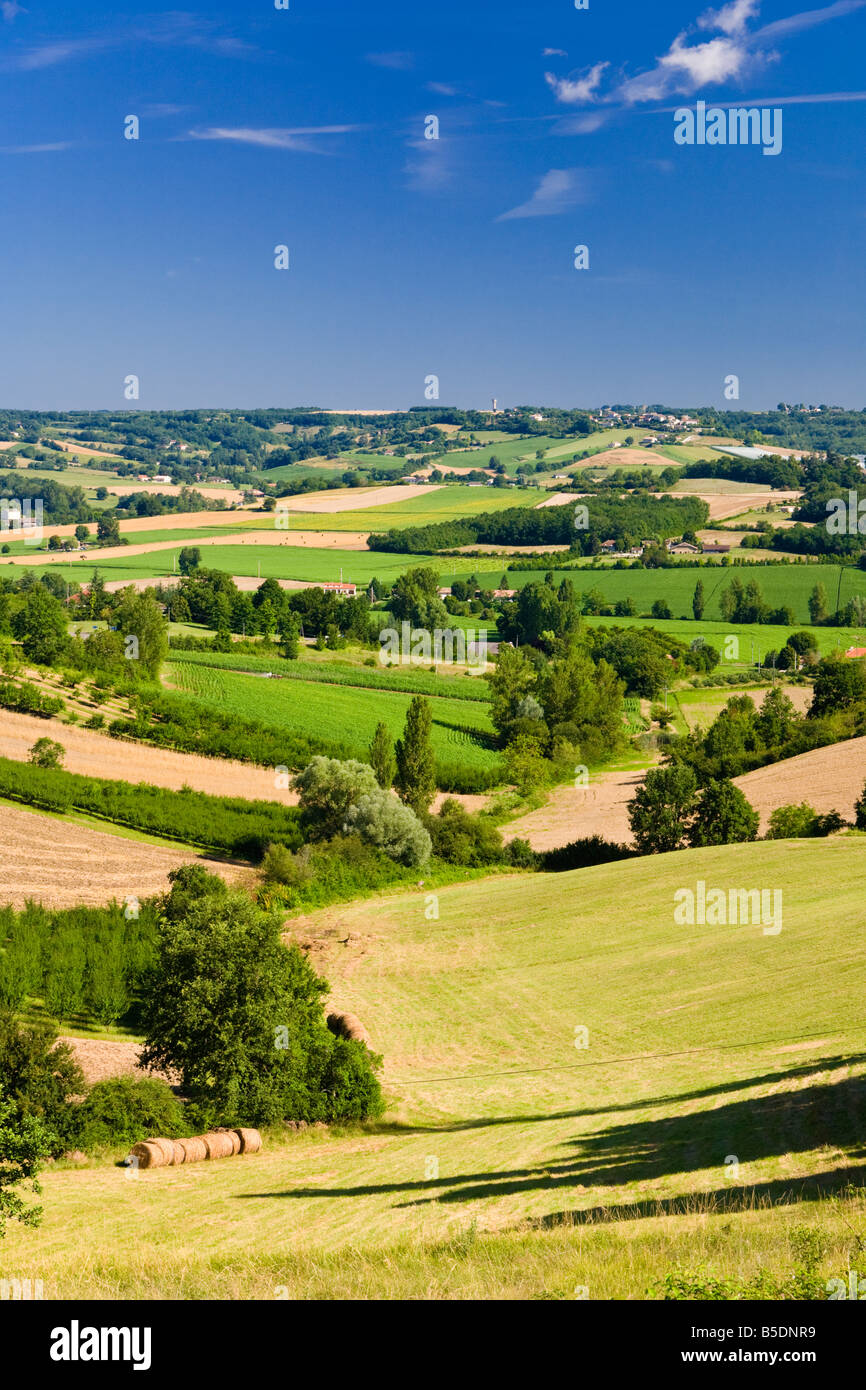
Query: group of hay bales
{"x": 219, "y": 1143}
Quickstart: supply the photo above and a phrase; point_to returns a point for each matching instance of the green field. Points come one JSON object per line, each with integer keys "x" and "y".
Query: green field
{"x": 514, "y": 1162}
{"x": 417, "y": 681}
{"x": 347, "y": 715}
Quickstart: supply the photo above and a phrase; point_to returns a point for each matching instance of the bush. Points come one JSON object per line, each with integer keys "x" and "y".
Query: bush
{"x": 328, "y": 788}
{"x": 124, "y": 1110}
{"x": 581, "y": 854}
{"x": 521, "y": 855}
{"x": 46, "y": 753}
{"x": 389, "y": 825}
{"x": 38, "y": 1078}
{"x": 280, "y": 865}
{"x": 461, "y": 838}
{"x": 793, "y": 822}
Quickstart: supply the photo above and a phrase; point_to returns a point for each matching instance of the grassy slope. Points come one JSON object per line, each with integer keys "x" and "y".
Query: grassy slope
{"x": 704, "y": 1043}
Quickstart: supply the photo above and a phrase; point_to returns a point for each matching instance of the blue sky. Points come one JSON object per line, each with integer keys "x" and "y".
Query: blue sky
{"x": 412, "y": 257}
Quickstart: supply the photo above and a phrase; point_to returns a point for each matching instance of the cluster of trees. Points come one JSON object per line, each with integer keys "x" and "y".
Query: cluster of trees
{"x": 668, "y": 812}
{"x": 627, "y": 520}
{"x": 132, "y": 647}
{"x": 211, "y": 597}
{"x": 83, "y": 963}
{"x": 741, "y": 603}
{"x": 742, "y": 737}
{"x": 566, "y": 708}
{"x": 211, "y": 954}
{"x": 671, "y": 812}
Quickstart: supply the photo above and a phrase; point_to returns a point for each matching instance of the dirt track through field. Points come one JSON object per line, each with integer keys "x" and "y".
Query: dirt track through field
{"x": 61, "y": 864}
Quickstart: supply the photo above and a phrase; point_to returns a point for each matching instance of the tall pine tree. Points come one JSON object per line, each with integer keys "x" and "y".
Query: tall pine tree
{"x": 416, "y": 778}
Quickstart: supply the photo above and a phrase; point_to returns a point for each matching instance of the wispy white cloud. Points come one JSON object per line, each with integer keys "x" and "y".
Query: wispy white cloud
{"x": 579, "y": 90}
{"x": 11, "y": 8}
{"x": 274, "y": 137}
{"x": 430, "y": 166}
{"x": 36, "y": 149}
{"x": 585, "y": 124}
{"x": 559, "y": 190}
{"x": 176, "y": 30}
{"x": 808, "y": 19}
{"x": 732, "y": 18}
{"x": 554, "y": 53}
{"x": 400, "y": 62}
{"x": 442, "y": 89}
{"x": 156, "y": 110}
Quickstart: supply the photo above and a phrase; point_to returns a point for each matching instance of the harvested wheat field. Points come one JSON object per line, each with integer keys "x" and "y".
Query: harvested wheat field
{"x": 722, "y": 504}
{"x": 624, "y": 458}
{"x": 100, "y": 1058}
{"x": 355, "y": 499}
{"x": 575, "y": 812}
{"x": 63, "y": 864}
{"x": 316, "y": 540}
{"x": 829, "y": 779}
{"x": 98, "y": 755}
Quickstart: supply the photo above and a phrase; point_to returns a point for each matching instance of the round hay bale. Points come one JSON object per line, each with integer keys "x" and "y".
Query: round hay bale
{"x": 167, "y": 1147}
{"x": 218, "y": 1145}
{"x": 250, "y": 1140}
{"x": 179, "y": 1152}
{"x": 234, "y": 1139}
{"x": 194, "y": 1150}
{"x": 150, "y": 1154}
{"x": 348, "y": 1026}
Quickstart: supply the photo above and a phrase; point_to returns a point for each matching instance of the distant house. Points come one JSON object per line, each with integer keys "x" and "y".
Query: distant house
{"x": 608, "y": 547}
{"x": 855, "y": 653}
{"x": 162, "y": 478}
{"x": 341, "y": 590}
{"x": 716, "y": 549}
{"x": 505, "y": 593}
{"x": 683, "y": 548}
{"x": 444, "y": 593}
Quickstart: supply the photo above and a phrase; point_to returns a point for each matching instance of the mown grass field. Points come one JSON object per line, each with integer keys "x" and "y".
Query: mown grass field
{"x": 348, "y": 715}
{"x": 717, "y": 1106}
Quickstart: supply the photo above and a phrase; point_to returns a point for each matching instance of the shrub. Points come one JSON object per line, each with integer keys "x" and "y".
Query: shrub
{"x": 280, "y": 865}
{"x": 46, "y": 753}
{"x": 389, "y": 825}
{"x": 521, "y": 855}
{"x": 793, "y": 822}
{"x": 328, "y": 788}
{"x": 461, "y": 838}
{"x": 125, "y": 1109}
{"x": 38, "y": 1077}
{"x": 581, "y": 854}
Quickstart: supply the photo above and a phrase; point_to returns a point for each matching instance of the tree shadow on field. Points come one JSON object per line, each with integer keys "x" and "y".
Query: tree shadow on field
{"x": 768, "y": 1078}
{"x": 647, "y": 1150}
